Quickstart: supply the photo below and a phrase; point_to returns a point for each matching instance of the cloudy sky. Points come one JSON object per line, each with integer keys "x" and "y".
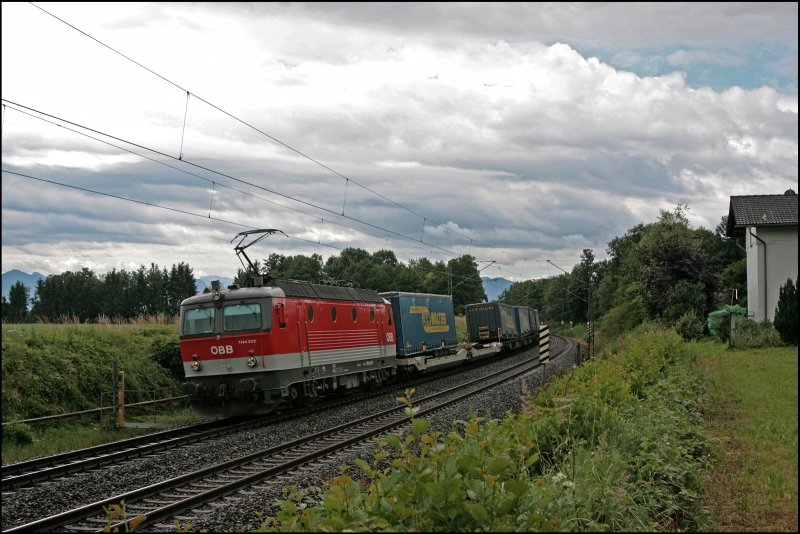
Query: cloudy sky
{"x": 155, "y": 133}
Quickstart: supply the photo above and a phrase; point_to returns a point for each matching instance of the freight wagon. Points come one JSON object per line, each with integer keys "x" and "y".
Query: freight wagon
{"x": 425, "y": 323}
{"x": 491, "y": 321}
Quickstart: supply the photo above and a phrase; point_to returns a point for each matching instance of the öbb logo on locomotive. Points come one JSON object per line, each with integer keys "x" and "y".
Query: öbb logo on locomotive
{"x": 282, "y": 342}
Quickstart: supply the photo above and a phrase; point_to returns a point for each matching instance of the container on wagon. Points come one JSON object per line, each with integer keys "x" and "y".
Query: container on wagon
{"x": 425, "y": 323}
{"x": 523, "y": 318}
{"x": 491, "y": 321}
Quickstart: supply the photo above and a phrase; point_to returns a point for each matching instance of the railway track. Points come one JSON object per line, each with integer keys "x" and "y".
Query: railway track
{"x": 31, "y": 472}
{"x": 168, "y": 499}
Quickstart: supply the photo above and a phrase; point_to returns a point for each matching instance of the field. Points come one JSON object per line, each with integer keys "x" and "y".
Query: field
{"x": 752, "y": 425}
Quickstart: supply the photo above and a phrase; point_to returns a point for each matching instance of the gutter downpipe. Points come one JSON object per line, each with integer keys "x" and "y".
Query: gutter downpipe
{"x": 765, "y": 271}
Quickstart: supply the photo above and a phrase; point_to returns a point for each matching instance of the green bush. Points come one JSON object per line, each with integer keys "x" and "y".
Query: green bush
{"x": 17, "y": 433}
{"x": 624, "y": 317}
{"x": 786, "y": 313}
{"x": 690, "y": 326}
{"x": 167, "y": 353}
{"x": 722, "y": 325}
{"x": 684, "y": 298}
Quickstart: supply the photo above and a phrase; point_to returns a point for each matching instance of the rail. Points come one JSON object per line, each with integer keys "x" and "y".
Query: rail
{"x": 98, "y": 411}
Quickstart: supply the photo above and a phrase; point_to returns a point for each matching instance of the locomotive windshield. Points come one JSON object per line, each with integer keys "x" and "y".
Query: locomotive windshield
{"x": 242, "y": 316}
{"x": 199, "y": 321}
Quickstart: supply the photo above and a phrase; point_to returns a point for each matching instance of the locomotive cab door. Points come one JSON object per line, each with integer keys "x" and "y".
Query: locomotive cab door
{"x": 302, "y": 336}
{"x": 381, "y": 332}
{"x": 384, "y": 316}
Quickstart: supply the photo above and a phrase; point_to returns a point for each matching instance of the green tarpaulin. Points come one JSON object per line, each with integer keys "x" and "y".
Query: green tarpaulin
{"x": 736, "y": 310}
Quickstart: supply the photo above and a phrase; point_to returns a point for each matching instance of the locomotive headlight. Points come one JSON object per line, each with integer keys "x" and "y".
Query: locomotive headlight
{"x": 251, "y": 361}
{"x": 195, "y": 366}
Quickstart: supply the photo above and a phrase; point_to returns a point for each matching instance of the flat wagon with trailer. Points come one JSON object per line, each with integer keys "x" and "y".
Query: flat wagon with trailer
{"x": 534, "y": 320}
{"x": 425, "y": 323}
{"x": 491, "y": 321}
{"x": 523, "y": 319}
{"x": 426, "y": 332}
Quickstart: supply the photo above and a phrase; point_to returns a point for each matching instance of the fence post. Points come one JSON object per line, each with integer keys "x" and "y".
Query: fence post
{"x": 120, "y": 406}
{"x": 114, "y": 389}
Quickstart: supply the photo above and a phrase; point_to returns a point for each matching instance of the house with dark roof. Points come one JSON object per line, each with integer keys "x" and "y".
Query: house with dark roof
{"x": 766, "y": 225}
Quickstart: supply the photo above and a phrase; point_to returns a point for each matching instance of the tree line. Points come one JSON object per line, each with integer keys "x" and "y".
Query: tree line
{"x": 153, "y": 291}
{"x": 86, "y": 297}
{"x": 665, "y": 271}
{"x": 380, "y": 271}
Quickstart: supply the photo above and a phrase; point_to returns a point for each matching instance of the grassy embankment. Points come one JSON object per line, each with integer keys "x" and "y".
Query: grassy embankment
{"x": 613, "y": 445}
{"x": 50, "y": 369}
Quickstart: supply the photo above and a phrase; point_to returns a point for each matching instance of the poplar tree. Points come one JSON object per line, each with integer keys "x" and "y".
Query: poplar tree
{"x": 18, "y": 303}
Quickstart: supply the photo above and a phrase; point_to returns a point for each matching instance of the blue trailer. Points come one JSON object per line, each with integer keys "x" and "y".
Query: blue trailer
{"x": 425, "y": 323}
{"x": 491, "y": 321}
{"x": 522, "y": 315}
{"x": 534, "y": 320}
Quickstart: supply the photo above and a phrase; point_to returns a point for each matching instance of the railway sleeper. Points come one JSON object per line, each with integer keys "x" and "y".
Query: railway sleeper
{"x": 158, "y": 502}
{"x": 81, "y": 528}
{"x": 97, "y": 520}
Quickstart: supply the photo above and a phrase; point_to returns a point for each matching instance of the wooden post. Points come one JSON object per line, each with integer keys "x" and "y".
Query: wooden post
{"x": 120, "y": 399}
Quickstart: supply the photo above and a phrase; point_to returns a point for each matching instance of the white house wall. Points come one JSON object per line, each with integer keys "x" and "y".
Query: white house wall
{"x": 779, "y": 253}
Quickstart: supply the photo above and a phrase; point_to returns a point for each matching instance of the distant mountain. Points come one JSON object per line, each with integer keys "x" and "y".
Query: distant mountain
{"x": 205, "y": 282}
{"x": 28, "y": 280}
{"x": 493, "y": 287}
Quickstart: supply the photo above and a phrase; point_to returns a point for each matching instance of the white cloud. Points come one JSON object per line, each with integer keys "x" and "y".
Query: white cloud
{"x": 501, "y": 137}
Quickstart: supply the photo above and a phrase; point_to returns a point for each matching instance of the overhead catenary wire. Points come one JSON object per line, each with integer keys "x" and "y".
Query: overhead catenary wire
{"x": 219, "y": 173}
{"x": 260, "y": 131}
{"x": 213, "y": 183}
{"x": 190, "y": 213}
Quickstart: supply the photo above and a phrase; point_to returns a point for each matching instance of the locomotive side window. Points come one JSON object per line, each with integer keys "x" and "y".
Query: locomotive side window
{"x": 242, "y": 316}
{"x": 198, "y": 321}
{"x": 310, "y": 314}
{"x": 372, "y": 314}
{"x": 333, "y": 314}
{"x": 355, "y": 315}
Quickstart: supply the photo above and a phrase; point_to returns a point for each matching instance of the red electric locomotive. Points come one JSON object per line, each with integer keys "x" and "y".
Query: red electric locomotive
{"x": 250, "y": 350}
